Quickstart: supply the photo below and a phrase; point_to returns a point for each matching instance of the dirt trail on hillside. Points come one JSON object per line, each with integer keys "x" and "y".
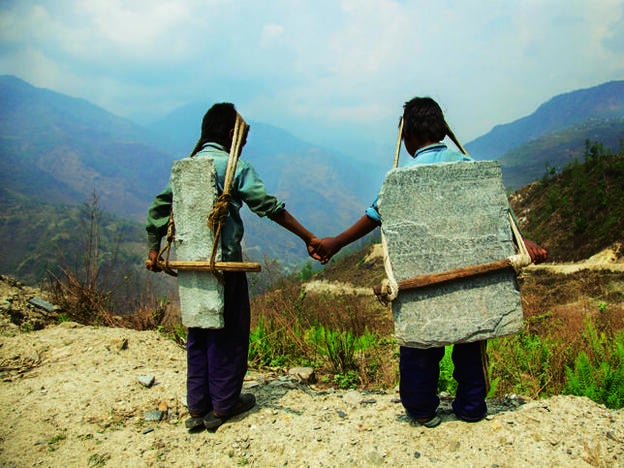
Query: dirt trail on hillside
{"x": 607, "y": 260}
{"x": 72, "y": 395}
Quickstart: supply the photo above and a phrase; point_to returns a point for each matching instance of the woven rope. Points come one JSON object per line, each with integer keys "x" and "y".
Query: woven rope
{"x": 397, "y": 150}
{"x": 522, "y": 257}
{"x": 166, "y": 250}
{"x": 390, "y": 287}
{"x": 220, "y": 208}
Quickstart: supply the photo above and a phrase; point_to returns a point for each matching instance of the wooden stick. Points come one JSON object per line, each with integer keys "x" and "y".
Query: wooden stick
{"x": 437, "y": 278}
{"x": 205, "y": 266}
{"x": 397, "y": 149}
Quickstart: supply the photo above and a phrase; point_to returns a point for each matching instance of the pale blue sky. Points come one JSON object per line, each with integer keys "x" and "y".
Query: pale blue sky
{"x": 321, "y": 69}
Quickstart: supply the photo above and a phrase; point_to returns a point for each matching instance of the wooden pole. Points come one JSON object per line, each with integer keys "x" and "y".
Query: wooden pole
{"x": 206, "y": 266}
{"x": 437, "y": 278}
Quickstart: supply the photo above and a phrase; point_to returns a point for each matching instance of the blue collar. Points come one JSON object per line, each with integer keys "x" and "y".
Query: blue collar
{"x": 211, "y": 144}
{"x": 425, "y": 149}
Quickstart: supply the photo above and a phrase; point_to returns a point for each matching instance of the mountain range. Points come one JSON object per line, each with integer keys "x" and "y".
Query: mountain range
{"x": 56, "y": 151}
{"x": 555, "y": 133}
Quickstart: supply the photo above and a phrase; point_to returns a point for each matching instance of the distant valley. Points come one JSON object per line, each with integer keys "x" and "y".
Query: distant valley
{"x": 57, "y": 151}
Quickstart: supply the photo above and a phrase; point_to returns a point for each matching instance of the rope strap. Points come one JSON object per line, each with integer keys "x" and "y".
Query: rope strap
{"x": 397, "y": 150}
{"x": 389, "y": 285}
{"x": 219, "y": 211}
{"x": 522, "y": 257}
{"x": 220, "y": 208}
{"x": 166, "y": 250}
{"x": 389, "y": 288}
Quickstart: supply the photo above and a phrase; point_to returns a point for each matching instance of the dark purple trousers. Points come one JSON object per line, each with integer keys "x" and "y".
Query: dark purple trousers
{"x": 217, "y": 358}
{"x": 420, "y": 372}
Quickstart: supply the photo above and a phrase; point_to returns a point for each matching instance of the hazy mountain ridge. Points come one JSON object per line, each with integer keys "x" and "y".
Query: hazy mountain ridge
{"x": 605, "y": 101}
{"x": 530, "y": 161}
{"x": 555, "y": 134}
{"x": 56, "y": 149}
{"x": 77, "y": 148}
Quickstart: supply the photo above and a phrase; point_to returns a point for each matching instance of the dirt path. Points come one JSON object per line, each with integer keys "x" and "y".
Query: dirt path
{"x": 71, "y": 395}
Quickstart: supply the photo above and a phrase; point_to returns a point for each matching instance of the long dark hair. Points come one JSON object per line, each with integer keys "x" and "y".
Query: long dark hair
{"x": 216, "y": 126}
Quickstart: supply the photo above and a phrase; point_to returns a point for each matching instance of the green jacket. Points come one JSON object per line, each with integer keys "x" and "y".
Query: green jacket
{"x": 247, "y": 187}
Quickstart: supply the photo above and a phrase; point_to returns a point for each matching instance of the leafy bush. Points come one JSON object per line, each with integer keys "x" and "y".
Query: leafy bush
{"x": 273, "y": 345}
{"x": 339, "y": 347}
{"x": 447, "y": 383}
{"x": 601, "y": 376}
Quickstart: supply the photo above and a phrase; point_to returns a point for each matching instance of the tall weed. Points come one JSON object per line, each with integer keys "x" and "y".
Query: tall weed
{"x": 598, "y": 372}
{"x": 522, "y": 363}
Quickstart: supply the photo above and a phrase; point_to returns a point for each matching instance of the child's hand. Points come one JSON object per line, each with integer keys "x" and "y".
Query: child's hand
{"x": 152, "y": 262}
{"x": 538, "y": 254}
{"x": 313, "y": 246}
{"x": 327, "y": 248}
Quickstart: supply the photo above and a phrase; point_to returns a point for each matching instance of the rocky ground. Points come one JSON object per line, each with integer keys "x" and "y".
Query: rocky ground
{"x": 72, "y": 395}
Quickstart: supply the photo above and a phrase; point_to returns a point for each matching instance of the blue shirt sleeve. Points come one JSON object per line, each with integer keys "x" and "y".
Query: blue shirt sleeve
{"x": 373, "y": 211}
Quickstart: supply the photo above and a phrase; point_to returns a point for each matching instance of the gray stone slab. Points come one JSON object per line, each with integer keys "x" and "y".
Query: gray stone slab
{"x": 193, "y": 182}
{"x": 440, "y": 217}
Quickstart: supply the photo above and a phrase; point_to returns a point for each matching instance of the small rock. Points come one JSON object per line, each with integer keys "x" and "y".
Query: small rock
{"x": 304, "y": 374}
{"x": 352, "y": 397}
{"x": 153, "y": 415}
{"x": 375, "y": 458}
{"x": 120, "y": 343}
{"x": 41, "y": 304}
{"x": 146, "y": 380}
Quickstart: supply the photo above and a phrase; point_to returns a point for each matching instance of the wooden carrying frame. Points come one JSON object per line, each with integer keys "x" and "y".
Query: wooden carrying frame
{"x": 215, "y": 220}
{"x": 389, "y": 288}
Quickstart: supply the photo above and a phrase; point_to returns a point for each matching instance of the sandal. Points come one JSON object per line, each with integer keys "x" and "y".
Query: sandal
{"x": 431, "y": 422}
{"x": 245, "y": 402}
{"x": 194, "y": 423}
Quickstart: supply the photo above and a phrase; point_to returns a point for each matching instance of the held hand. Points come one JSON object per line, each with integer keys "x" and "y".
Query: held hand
{"x": 327, "y": 248}
{"x": 312, "y": 246}
{"x": 152, "y": 262}
{"x": 538, "y": 254}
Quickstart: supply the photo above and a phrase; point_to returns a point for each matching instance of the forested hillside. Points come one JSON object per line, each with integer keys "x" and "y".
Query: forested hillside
{"x": 579, "y": 211}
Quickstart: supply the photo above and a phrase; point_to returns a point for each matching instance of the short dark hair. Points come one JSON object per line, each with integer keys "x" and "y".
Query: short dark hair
{"x": 423, "y": 118}
{"x": 216, "y": 125}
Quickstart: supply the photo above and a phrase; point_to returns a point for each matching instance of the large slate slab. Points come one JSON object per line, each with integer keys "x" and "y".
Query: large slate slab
{"x": 194, "y": 186}
{"x": 438, "y": 217}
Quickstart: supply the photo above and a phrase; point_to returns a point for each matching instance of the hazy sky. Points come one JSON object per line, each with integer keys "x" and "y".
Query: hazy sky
{"x": 320, "y": 69}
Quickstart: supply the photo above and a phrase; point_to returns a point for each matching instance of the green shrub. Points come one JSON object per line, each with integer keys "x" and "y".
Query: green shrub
{"x": 522, "y": 362}
{"x": 447, "y": 383}
{"x": 601, "y": 376}
{"x": 339, "y": 347}
{"x": 272, "y": 345}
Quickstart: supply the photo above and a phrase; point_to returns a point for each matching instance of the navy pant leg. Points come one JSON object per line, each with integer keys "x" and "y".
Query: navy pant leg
{"x": 469, "y": 403}
{"x": 197, "y": 391}
{"x": 218, "y": 375}
{"x": 419, "y": 375}
{"x": 228, "y": 348}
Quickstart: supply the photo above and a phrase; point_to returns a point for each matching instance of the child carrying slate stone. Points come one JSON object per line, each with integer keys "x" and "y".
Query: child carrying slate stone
{"x": 217, "y": 356}
{"x": 423, "y": 129}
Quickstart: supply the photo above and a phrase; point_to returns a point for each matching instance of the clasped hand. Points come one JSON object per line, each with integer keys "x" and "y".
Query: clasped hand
{"x": 324, "y": 249}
